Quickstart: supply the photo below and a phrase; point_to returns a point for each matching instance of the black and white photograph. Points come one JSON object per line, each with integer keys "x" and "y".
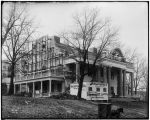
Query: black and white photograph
{"x": 71, "y": 60}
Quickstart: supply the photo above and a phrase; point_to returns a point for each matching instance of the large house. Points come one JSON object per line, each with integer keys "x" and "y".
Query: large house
{"x": 5, "y": 74}
{"x": 48, "y": 69}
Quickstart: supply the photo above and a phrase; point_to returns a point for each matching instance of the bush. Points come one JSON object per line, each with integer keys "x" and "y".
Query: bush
{"x": 64, "y": 95}
{"x": 24, "y": 94}
{"x": 4, "y": 89}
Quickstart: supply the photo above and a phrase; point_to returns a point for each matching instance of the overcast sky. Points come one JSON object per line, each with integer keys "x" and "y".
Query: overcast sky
{"x": 130, "y": 17}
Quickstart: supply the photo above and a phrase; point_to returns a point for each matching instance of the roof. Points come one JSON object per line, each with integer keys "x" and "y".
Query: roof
{"x": 5, "y": 61}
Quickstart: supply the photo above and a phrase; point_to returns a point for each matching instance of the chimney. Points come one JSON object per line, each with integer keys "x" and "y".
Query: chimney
{"x": 56, "y": 39}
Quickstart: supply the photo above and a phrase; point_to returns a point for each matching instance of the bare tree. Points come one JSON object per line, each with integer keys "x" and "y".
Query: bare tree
{"x": 90, "y": 31}
{"x": 144, "y": 74}
{"x": 140, "y": 68}
{"x": 17, "y": 31}
{"x": 138, "y": 74}
{"x": 8, "y": 22}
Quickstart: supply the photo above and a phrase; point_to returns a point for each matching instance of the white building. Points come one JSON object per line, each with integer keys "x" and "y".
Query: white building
{"x": 5, "y": 73}
{"x": 48, "y": 69}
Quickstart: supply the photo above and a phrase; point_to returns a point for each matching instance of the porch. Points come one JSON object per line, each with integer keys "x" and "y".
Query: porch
{"x": 43, "y": 88}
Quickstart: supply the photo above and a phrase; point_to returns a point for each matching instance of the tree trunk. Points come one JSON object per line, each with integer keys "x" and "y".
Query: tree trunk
{"x": 11, "y": 89}
{"x": 80, "y": 87}
{"x": 82, "y": 68}
{"x": 135, "y": 90}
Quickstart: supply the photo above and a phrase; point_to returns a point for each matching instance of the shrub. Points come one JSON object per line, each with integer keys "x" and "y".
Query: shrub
{"x": 64, "y": 95}
{"x": 4, "y": 89}
{"x": 24, "y": 94}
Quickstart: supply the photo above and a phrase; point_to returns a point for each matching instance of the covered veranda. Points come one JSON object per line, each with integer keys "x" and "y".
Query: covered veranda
{"x": 41, "y": 87}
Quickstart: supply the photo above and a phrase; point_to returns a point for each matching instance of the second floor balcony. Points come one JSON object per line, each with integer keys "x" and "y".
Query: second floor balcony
{"x": 40, "y": 74}
{"x": 44, "y": 73}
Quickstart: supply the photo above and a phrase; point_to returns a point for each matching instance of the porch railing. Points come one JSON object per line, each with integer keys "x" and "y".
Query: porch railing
{"x": 42, "y": 73}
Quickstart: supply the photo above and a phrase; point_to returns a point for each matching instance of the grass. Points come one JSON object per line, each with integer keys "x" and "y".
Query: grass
{"x": 21, "y": 107}
{"x": 25, "y": 107}
{"x": 129, "y": 103}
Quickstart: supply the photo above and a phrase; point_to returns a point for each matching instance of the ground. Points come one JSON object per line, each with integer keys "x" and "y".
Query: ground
{"x": 23, "y": 107}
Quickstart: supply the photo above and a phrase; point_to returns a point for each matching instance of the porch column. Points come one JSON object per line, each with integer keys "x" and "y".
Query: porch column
{"x": 41, "y": 88}
{"x": 108, "y": 80}
{"x": 124, "y": 82}
{"x": 50, "y": 87}
{"x": 63, "y": 86}
{"x": 26, "y": 88}
{"x": 132, "y": 77}
{"x": 33, "y": 89}
{"x": 120, "y": 83}
{"x": 77, "y": 71}
{"x": 98, "y": 74}
{"x": 20, "y": 88}
{"x": 105, "y": 74}
{"x": 14, "y": 89}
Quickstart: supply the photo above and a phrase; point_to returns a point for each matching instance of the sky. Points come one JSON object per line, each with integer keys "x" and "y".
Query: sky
{"x": 130, "y": 17}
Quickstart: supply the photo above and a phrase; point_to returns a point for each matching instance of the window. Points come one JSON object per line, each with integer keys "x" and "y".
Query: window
{"x": 104, "y": 89}
{"x": 98, "y": 89}
{"x": 90, "y": 88}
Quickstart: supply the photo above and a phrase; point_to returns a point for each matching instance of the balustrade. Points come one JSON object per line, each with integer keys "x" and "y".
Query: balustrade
{"x": 43, "y": 73}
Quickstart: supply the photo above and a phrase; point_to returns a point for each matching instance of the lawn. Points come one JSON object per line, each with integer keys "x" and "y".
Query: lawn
{"x": 21, "y": 107}
{"x": 24, "y": 107}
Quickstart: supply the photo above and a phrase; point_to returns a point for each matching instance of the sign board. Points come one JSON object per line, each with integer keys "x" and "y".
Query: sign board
{"x": 91, "y": 91}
